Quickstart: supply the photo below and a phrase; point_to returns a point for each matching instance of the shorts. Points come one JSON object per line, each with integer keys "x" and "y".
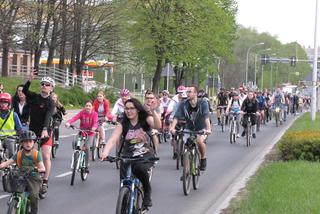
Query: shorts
{"x": 48, "y": 142}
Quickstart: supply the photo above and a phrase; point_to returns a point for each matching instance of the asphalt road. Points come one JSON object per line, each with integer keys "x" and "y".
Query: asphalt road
{"x": 226, "y": 164}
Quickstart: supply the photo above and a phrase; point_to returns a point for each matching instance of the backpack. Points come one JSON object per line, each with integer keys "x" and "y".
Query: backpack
{"x": 19, "y": 157}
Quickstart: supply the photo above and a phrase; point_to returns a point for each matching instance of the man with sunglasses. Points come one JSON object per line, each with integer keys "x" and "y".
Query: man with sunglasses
{"x": 41, "y": 110}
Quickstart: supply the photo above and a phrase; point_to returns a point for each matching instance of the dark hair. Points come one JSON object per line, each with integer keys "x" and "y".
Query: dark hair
{"x": 149, "y": 91}
{"x": 88, "y": 101}
{"x": 142, "y": 116}
{"x": 15, "y": 96}
{"x": 195, "y": 88}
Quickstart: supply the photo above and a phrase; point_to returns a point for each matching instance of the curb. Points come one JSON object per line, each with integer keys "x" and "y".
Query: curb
{"x": 244, "y": 177}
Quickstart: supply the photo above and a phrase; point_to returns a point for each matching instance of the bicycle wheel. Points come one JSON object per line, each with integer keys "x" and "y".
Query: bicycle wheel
{"x": 186, "y": 173}
{"x": 222, "y": 122}
{"x": 83, "y": 173}
{"x": 234, "y": 131}
{"x": 138, "y": 207}
{"x": 248, "y": 135}
{"x": 178, "y": 160}
{"x": 123, "y": 202}
{"x": 13, "y": 206}
{"x": 75, "y": 165}
{"x": 231, "y": 132}
{"x": 196, "y": 170}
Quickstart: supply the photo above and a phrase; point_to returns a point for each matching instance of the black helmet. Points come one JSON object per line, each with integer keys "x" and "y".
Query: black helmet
{"x": 201, "y": 93}
{"x": 27, "y": 135}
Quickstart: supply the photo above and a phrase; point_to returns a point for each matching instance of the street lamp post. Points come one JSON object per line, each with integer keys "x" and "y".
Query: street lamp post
{"x": 274, "y": 54}
{"x": 247, "y": 60}
{"x": 255, "y": 64}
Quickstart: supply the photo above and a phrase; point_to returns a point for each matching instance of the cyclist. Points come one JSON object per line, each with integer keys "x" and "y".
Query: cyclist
{"x": 137, "y": 122}
{"x": 278, "y": 101}
{"x": 261, "y": 105}
{"x": 222, "y": 102}
{"x": 101, "y": 106}
{"x": 28, "y": 161}
{"x": 88, "y": 121}
{"x": 164, "y": 103}
{"x": 242, "y": 95}
{"x": 150, "y": 99}
{"x": 9, "y": 122}
{"x": 57, "y": 116}
{"x": 249, "y": 105}
{"x": 234, "y": 108}
{"x": 41, "y": 110}
{"x": 196, "y": 114}
{"x": 21, "y": 107}
{"x": 118, "y": 108}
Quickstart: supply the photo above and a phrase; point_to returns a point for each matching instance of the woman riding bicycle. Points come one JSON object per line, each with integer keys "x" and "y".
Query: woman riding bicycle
{"x": 88, "y": 121}
{"x": 101, "y": 105}
{"x": 57, "y": 116}
{"x": 234, "y": 109}
{"x": 118, "y": 108}
{"x": 134, "y": 128}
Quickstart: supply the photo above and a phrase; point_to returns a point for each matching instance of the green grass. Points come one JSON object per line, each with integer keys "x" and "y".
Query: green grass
{"x": 282, "y": 187}
{"x": 305, "y": 123}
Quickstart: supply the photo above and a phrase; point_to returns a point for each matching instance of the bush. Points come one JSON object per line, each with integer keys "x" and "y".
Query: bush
{"x": 300, "y": 145}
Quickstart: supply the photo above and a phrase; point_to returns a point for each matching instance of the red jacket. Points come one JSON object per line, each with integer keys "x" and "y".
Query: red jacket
{"x": 106, "y": 105}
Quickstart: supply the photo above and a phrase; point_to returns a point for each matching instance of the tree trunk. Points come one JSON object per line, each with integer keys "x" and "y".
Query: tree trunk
{"x": 63, "y": 42}
{"x": 52, "y": 45}
{"x": 157, "y": 75}
{"x": 5, "y": 59}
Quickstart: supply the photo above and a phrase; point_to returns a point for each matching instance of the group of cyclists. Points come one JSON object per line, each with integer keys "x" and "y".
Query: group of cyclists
{"x": 37, "y": 117}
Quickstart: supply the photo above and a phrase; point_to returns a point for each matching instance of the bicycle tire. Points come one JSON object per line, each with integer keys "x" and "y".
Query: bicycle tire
{"x": 93, "y": 153}
{"x": 186, "y": 174}
{"x": 83, "y": 173}
{"x": 196, "y": 171}
{"x": 248, "y": 135}
{"x": 222, "y": 122}
{"x": 178, "y": 151}
{"x": 117, "y": 155}
{"x": 138, "y": 206}
{"x": 12, "y": 209}
{"x": 123, "y": 201}
{"x": 231, "y": 132}
{"x": 74, "y": 168}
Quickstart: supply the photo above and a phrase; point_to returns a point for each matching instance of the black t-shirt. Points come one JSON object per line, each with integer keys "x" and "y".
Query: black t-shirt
{"x": 41, "y": 110}
{"x": 131, "y": 146}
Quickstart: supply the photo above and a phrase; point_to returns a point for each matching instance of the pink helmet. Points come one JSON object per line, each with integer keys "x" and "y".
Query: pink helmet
{"x": 5, "y": 97}
{"x": 181, "y": 89}
{"x": 124, "y": 92}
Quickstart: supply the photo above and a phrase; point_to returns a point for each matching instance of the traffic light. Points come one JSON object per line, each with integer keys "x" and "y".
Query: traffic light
{"x": 264, "y": 59}
{"x": 293, "y": 61}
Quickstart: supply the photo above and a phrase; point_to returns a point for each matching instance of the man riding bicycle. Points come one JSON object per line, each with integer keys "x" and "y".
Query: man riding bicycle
{"x": 278, "y": 101}
{"x": 222, "y": 103}
{"x": 196, "y": 114}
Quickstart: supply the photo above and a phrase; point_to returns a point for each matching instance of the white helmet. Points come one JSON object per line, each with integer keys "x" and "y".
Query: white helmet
{"x": 48, "y": 80}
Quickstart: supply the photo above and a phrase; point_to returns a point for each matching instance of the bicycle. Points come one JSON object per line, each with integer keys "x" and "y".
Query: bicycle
{"x": 222, "y": 116}
{"x": 78, "y": 161}
{"x": 249, "y": 129}
{"x": 179, "y": 150}
{"x": 234, "y": 126}
{"x": 131, "y": 192}
{"x": 19, "y": 201}
{"x": 98, "y": 145}
{"x": 55, "y": 146}
{"x": 277, "y": 115}
{"x": 3, "y": 151}
{"x": 191, "y": 161}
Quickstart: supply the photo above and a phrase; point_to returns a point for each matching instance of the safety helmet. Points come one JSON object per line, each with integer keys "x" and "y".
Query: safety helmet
{"x": 124, "y": 92}
{"x": 27, "y": 135}
{"x": 48, "y": 80}
{"x": 181, "y": 89}
{"x": 166, "y": 92}
{"x": 201, "y": 93}
{"x": 5, "y": 97}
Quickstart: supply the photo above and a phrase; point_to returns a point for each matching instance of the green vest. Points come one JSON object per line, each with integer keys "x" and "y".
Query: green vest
{"x": 9, "y": 128}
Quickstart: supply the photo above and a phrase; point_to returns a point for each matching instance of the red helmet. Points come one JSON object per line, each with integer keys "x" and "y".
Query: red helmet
{"x": 5, "y": 97}
{"x": 181, "y": 89}
{"x": 124, "y": 92}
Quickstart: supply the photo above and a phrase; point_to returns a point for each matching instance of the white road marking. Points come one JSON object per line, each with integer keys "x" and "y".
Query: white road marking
{"x": 64, "y": 174}
{"x": 71, "y": 135}
{"x": 4, "y": 196}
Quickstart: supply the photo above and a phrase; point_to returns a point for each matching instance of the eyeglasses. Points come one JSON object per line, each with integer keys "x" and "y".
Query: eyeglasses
{"x": 45, "y": 84}
{"x": 129, "y": 109}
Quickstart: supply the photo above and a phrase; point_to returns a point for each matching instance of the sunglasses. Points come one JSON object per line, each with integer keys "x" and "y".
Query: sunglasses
{"x": 45, "y": 84}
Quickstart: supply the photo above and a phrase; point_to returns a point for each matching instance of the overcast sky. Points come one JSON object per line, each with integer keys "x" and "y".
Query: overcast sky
{"x": 289, "y": 20}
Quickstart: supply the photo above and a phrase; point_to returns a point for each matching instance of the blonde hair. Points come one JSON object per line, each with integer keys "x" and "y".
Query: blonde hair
{"x": 57, "y": 103}
{"x": 101, "y": 92}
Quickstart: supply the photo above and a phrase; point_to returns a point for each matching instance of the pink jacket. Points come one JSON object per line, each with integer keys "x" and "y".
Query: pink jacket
{"x": 87, "y": 120}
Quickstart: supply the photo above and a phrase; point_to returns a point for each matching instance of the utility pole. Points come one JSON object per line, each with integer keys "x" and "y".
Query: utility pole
{"x": 315, "y": 69}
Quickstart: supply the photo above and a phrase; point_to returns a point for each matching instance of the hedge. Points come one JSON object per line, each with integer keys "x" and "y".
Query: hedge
{"x": 300, "y": 145}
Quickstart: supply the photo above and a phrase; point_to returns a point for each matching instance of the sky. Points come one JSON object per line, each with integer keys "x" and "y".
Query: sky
{"x": 289, "y": 20}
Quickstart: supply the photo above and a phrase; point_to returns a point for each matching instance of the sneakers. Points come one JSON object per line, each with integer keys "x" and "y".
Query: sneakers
{"x": 147, "y": 201}
{"x": 238, "y": 135}
{"x": 44, "y": 188}
{"x": 203, "y": 164}
{"x": 243, "y": 133}
{"x": 254, "y": 135}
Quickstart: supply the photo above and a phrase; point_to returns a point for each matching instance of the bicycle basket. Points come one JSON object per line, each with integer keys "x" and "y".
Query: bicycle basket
{"x": 14, "y": 182}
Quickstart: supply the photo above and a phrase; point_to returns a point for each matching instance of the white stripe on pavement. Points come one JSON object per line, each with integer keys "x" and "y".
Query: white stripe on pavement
{"x": 70, "y": 135}
{"x": 4, "y": 196}
{"x": 64, "y": 174}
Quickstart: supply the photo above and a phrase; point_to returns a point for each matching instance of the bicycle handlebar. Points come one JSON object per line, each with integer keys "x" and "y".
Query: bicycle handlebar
{"x": 131, "y": 159}
{"x": 201, "y": 132}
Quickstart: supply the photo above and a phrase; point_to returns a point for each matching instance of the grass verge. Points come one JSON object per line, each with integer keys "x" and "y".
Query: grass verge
{"x": 283, "y": 187}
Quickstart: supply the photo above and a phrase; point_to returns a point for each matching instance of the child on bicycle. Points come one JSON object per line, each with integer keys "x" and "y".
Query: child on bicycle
{"x": 88, "y": 121}
{"x": 29, "y": 160}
